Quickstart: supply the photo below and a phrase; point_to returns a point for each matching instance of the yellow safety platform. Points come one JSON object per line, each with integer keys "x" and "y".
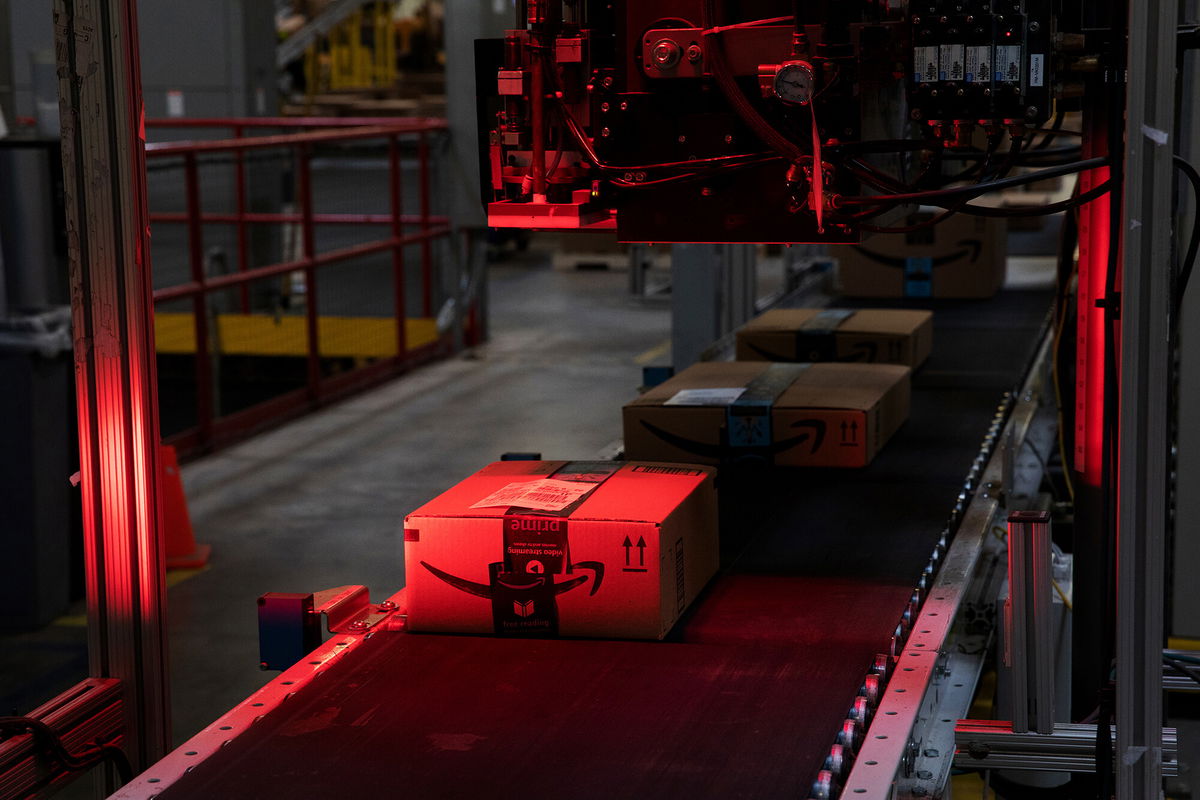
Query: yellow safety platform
{"x": 287, "y": 335}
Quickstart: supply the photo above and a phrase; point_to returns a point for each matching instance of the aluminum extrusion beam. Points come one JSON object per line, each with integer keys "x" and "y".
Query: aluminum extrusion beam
{"x": 993, "y": 744}
{"x": 107, "y": 233}
{"x": 1145, "y": 386}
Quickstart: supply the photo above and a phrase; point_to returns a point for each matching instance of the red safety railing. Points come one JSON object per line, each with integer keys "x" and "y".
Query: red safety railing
{"x": 299, "y": 138}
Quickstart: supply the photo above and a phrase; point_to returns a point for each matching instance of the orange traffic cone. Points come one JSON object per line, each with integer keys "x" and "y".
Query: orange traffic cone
{"x": 182, "y": 550}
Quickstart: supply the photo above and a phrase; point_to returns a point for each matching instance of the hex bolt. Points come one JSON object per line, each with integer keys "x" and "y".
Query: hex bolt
{"x": 358, "y": 625}
{"x": 387, "y": 605}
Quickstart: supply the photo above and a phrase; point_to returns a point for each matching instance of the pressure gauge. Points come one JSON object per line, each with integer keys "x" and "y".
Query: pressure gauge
{"x": 794, "y": 81}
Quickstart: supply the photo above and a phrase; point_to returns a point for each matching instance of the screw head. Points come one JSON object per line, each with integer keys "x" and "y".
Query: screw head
{"x": 694, "y": 53}
{"x": 604, "y": 106}
{"x": 682, "y": 139}
{"x": 624, "y": 106}
{"x": 607, "y": 83}
{"x": 387, "y": 605}
{"x": 1031, "y": 112}
{"x": 1035, "y": 26}
{"x": 728, "y": 138}
{"x": 358, "y": 625}
{"x": 605, "y": 132}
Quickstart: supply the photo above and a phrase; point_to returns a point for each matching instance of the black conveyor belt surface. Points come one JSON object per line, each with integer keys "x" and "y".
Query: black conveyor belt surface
{"x": 743, "y": 700}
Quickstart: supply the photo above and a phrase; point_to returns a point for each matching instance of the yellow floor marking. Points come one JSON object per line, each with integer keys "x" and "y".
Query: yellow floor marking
{"x": 656, "y": 352}
{"x": 178, "y": 576}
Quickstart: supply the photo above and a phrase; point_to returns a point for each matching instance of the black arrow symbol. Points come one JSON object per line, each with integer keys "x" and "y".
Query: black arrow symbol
{"x": 641, "y": 545}
{"x": 843, "y": 430}
{"x": 854, "y": 431}
{"x": 627, "y": 545}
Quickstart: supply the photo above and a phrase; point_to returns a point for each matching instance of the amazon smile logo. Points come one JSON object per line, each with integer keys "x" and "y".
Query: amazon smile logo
{"x": 815, "y": 435}
{"x": 972, "y": 248}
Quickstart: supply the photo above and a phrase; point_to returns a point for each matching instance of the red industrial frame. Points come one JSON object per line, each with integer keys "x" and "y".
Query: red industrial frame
{"x": 300, "y": 137}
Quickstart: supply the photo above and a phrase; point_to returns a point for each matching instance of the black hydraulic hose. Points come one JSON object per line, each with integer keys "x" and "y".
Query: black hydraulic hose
{"x": 715, "y": 52}
{"x": 976, "y": 189}
{"x": 1189, "y": 260}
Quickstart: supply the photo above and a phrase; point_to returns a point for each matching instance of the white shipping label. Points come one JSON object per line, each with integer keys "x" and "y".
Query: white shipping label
{"x": 1036, "y": 76}
{"x": 546, "y": 494}
{"x": 951, "y": 58}
{"x": 1008, "y": 63}
{"x": 925, "y": 64}
{"x": 706, "y": 397}
{"x": 979, "y": 64}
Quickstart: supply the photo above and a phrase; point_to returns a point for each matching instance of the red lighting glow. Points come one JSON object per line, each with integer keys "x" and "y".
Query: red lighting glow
{"x": 1094, "y": 244}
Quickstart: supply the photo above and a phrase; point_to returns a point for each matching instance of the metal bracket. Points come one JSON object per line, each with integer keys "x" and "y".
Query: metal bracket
{"x": 289, "y": 624}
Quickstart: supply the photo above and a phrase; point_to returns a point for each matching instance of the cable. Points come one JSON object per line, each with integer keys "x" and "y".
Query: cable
{"x": 765, "y": 131}
{"x": 1055, "y": 127}
{"x": 51, "y": 742}
{"x": 976, "y": 190}
{"x": 1189, "y": 260}
{"x": 1181, "y": 668}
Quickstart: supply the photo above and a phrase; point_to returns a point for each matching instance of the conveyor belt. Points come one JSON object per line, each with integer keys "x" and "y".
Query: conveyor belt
{"x": 745, "y": 697}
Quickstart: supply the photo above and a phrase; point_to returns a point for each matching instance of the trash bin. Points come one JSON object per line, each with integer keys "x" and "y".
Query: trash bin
{"x": 39, "y": 529}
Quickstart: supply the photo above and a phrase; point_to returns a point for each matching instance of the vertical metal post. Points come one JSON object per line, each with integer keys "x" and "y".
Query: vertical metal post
{"x": 1145, "y": 387}
{"x": 426, "y": 242}
{"x": 696, "y": 299}
{"x": 107, "y": 222}
{"x": 398, "y": 277}
{"x": 242, "y": 241}
{"x": 1030, "y": 643}
{"x": 203, "y": 365}
{"x": 308, "y": 235}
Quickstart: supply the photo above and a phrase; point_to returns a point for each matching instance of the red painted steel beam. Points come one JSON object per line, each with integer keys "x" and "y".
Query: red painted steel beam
{"x": 181, "y": 217}
{"x": 399, "y": 124}
{"x": 107, "y": 226}
{"x": 214, "y": 282}
{"x": 165, "y": 149}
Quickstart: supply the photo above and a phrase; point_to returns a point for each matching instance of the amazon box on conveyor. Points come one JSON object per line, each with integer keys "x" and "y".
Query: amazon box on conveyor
{"x": 554, "y": 548}
{"x": 887, "y": 336}
{"x": 963, "y": 257}
{"x": 789, "y": 415}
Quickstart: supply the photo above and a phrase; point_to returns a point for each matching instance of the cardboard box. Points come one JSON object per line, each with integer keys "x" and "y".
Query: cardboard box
{"x": 545, "y": 548}
{"x": 962, "y": 257}
{"x": 876, "y": 336}
{"x": 792, "y": 415}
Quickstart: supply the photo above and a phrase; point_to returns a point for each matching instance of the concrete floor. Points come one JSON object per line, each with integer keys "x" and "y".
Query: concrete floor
{"x": 319, "y": 503}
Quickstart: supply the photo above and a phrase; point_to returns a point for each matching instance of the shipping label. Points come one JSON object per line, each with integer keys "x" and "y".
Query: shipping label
{"x": 706, "y": 397}
{"x": 546, "y": 494}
